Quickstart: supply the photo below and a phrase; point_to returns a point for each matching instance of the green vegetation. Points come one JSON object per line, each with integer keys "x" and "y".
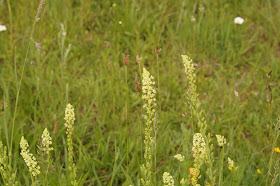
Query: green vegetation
{"x": 84, "y": 53}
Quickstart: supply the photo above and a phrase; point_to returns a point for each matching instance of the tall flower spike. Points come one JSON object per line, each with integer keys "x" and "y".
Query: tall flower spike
{"x": 46, "y": 141}
{"x": 29, "y": 159}
{"x": 69, "y": 124}
{"x": 189, "y": 70}
{"x": 148, "y": 96}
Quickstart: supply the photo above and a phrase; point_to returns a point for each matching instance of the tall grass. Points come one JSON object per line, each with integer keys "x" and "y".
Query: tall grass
{"x": 41, "y": 72}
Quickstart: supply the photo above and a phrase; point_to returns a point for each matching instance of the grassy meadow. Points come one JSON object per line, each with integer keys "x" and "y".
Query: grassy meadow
{"x": 84, "y": 52}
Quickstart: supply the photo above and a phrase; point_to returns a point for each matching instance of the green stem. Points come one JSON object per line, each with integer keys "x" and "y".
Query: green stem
{"x": 140, "y": 126}
{"x": 126, "y": 122}
{"x": 17, "y": 97}
{"x": 221, "y": 167}
{"x": 46, "y": 177}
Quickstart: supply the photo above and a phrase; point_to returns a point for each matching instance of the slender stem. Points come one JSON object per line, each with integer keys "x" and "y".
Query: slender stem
{"x": 46, "y": 177}
{"x": 126, "y": 122}
{"x": 221, "y": 167}
{"x": 140, "y": 126}
{"x": 17, "y": 97}
{"x": 158, "y": 83}
{"x": 11, "y": 27}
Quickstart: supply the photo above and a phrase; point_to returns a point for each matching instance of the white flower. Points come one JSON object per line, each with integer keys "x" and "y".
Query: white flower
{"x": 167, "y": 179}
{"x": 221, "y": 140}
{"x": 179, "y": 157}
{"x": 193, "y": 19}
{"x": 238, "y": 20}
{"x": 236, "y": 93}
{"x": 114, "y": 5}
{"x": 120, "y": 22}
{"x": 3, "y": 28}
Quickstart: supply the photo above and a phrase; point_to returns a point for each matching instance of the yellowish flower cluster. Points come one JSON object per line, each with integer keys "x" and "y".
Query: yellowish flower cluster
{"x": 69, "y": 117}
{"x": 193, "y": 100}
{"x": 179, "y": 157}
{"x": 69, "y": 124}
{"x": 231, "y": 164}
{"x": 46, "y": 141}
{"x": 221, "y": 140}
{"x": 28, "y": 157}
{"x": 148, "y": 95}
{"x": 167, "y": 179}
{"x": 199, "y": 150}
{"x": 8, "y": 175}
{"x": 189, "y": 70}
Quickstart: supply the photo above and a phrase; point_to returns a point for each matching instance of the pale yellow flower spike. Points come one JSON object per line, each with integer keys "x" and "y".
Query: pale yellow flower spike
{"x": 149, "y": 98}
{"x": 69, "y": 124}
{"x": 29, "y": 159}
{"x": 46, "y": 141}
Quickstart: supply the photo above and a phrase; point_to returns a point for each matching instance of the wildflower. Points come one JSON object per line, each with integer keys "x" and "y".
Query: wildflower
{"x": 238, "y": 20}
{"x": 120, "y": 22}
{"x": 114, "y": 5}
{"x": 193, "y": 19}
{"x": 231, "y": 164}
{"x": 189, "y": 70}
{"x": 179, "y": 157}
{"x": 201, "y": 8}
{"x": 70, "y": 118}
{"x": 157, "y": 50}
{"x": 221, "y": 140}
{"x": 259, "y": 171}
{"x": 199, "y": 150}
{"x": 3, "y": 28}
{"x": 167, "y": 179}
{"x": 148, "y": 96}
{"x": 29, "y": 159}
{"x": 193, "y": 172}
{"x": 277, "y": 149}
{"x": 138, "y": 59}
{"x": 46, "y": 141}
{"x": 125, "y": 59}
{"x": 236, "y": 93}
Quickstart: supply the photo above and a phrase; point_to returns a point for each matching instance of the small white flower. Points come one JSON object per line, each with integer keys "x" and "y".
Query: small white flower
{"x": 238, "y": 20}
{"x": 3, "y": 28}
{"x": 236, "y": 93}
{"x": 193, "y": 19}
{"x": 120, "y": 22}
{"x": 179, "y": 157}
{"x": 221, "y": 140}
{"x": 114, "y": 5}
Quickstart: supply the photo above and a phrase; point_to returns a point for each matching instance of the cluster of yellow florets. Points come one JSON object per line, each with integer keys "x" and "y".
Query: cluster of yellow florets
{"x": 167, "y": 179}
{"x": 46, "y": 141}
{"x": 199, "y": 150}
{"x": 179, "y": 157}
{"x": 221, "y": 140}
{"x": 29, "y": 159}
{"x": 148, "y": 95}
{"x": 189, "y": 70}
{"x": 69, "y": 124}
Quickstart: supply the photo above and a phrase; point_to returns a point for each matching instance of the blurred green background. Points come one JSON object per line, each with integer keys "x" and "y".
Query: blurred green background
{"x": 76, "y": 56}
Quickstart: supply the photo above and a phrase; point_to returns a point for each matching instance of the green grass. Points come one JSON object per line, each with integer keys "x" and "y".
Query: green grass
{"x": 229, "y": 57}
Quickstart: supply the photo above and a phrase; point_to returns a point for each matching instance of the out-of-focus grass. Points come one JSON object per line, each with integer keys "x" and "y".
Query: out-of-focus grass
{"x": 229, "y": 58}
